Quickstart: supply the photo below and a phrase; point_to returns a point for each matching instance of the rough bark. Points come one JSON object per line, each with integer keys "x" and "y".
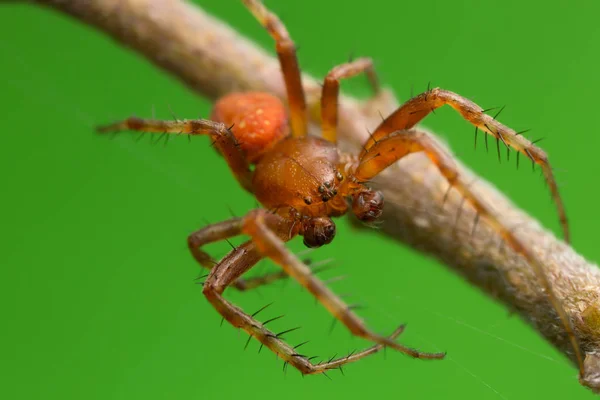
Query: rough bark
{"x": 213, "y": 59}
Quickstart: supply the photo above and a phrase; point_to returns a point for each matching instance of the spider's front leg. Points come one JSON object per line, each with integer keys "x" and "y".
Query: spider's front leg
{"x": 417, "y": 108}
{"x": 222, "y": 137}
{"x": 223, "y": 231}
{"x": 386, "y": 151}
{"x": 229, "y": 270}
{"x": 268, "y": 232}
{"x": 218, "y": 232}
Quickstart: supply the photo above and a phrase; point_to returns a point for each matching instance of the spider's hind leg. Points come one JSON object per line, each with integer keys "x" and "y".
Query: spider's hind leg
{"x": 286, "y": 52}
{"x": 331, "y": 91}
{"x": 222, "y": 138}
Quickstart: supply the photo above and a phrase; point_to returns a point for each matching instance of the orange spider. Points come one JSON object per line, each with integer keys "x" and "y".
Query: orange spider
{"x": 306, "y": 180}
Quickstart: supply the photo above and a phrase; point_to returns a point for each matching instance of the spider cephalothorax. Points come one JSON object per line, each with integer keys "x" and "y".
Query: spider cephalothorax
{"x": 302, "y": 181}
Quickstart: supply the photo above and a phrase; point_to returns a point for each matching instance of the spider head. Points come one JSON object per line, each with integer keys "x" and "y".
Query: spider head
{"x": 318, "y": 231}
{"x": 367, "y": 205}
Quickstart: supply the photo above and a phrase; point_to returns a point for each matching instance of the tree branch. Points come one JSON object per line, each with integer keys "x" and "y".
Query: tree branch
{"x": 212, "y": 59}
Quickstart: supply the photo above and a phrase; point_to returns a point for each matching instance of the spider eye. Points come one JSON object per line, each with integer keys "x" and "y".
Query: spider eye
{"x": 368, "y": 205}
{"x": 318, "y": 231}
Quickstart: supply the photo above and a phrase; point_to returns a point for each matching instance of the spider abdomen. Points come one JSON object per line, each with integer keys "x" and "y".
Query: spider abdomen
{"x": 258, "y": 120}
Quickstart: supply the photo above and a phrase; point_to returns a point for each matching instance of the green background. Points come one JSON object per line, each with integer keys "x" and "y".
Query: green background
{"x": 98, "y": 295}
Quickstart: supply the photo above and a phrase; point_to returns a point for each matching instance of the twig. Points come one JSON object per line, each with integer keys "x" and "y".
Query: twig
{"x": 213, "y": 59}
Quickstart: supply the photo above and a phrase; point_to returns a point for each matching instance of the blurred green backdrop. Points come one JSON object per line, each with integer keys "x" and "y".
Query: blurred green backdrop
{"x": 98, "y": 295}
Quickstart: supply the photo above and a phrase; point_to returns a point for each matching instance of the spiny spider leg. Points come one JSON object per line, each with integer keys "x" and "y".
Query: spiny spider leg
{"x": 396, "y": 145}
{"x": 268, "y": 278}
{"x": 268, "y": 232}
{"x": 210, "y": 234}
{"x": 222, "y": 231}
{"x": 228, "y": 271}
{"x": 221, "y": 136}
{"x": 286, "y": 52}
{"x": 417, "y": 108}
{"x": 214, "y": 233}
{"x": 331, "y": 90}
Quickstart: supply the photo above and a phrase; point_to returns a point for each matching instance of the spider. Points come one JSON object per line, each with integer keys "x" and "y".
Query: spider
{"x": 303, "y": 181}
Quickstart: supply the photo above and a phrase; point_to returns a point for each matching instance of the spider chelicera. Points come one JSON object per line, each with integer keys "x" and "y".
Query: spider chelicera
{"x": 302, "y": 181}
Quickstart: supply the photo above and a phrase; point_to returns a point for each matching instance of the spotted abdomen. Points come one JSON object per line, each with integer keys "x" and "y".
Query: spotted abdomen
{"x": 259, "y": 120}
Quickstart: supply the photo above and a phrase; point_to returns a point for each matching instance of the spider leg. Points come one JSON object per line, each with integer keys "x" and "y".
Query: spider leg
{"x": 331, "y": 91}
{"x": 286, "y": 52}
{"x": 396, "y": 145}
{"x": 214, "y": 233}
{"x": 417, "y": 108}
{"x": 221, "y": 136}
{"x": 226, "y": 272}
{"x": 267, "y": 232}
{"x": 268, "y": 278}
{"x": 222, "y": 231}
